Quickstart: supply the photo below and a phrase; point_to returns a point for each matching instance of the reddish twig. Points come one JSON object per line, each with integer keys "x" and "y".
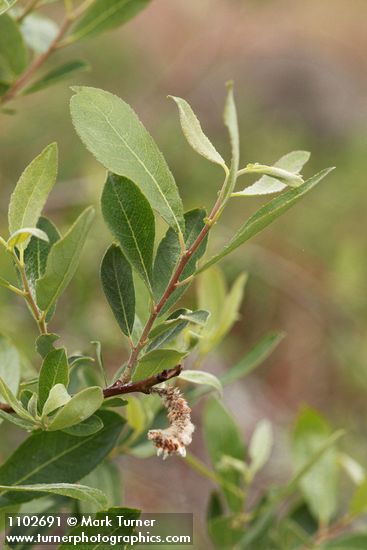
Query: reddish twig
{"x": 118, "y": 388}
{"x": 171, "y": 287}
{"x": 142, "y": 386}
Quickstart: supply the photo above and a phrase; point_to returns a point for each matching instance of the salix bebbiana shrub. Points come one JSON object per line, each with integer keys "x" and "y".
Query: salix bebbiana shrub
{"x": 74, "y": 415}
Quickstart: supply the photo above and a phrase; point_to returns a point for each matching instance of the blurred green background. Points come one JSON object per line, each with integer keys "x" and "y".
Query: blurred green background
{"x": 300, "y": 83}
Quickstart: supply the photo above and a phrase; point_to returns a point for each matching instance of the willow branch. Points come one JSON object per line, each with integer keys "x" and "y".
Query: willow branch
{"x": 39, "y": 61}
{"x": 142, "y": 386}
{"x": 171, "y": 287}
{"x": 118, "y": 388}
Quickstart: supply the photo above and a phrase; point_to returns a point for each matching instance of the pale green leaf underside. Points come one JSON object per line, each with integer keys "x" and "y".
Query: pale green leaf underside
{"x": 57, "y": 397}
{"x": 202, "y": 377}
{"x": 32, "y": 189}
{"x": 39, "y": 32}
{"x": 194, "y": 134}
{"x": 292, "y": 162}
{"x": 80, "y": 407}
{"x": 111, "y": 130}
{"x": 62, "y": 261}
{"x": 231, "y": 121}
{"x": 21, "y": 236}
{"x": 260, "y": 445}
{"x": 8, "y": 397}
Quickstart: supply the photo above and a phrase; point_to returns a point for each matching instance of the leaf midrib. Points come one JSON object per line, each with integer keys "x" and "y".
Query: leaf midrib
{"x": 132, "y": 232}
{"x": 120, "y": 296}
{"x": 142, "y": 164}
{"x": 51, "y": 460}
{"x": 65, "y": 272}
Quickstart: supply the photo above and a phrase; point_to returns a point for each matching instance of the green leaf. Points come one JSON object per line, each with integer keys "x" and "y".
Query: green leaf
{"x": 352, "y": 468}
{"x": 5, "y": 5}
{"x": 118, "y": 286}
{"x": 320, "y": 485}
{"x": 78, "y": 492}
{"x": 358, "y": 505}
{"x": 39, "y": 32}
{"x": 36, "y": 254}
{"x": 225, "y": 532}
{"x": 21, "y": 237}
{"x": 203, "y": 378}
{"x": 231, "y": 121}
{"x": 32, "y": 406}
{"x": 255, "y": 357}
{"x": 168, "y": 255}
{"x": 135, "y": 414}
{"x": 292, "y": 162}
{"x": 99, "y": 358}
{"x": 260, "y": 446}
{"x": 113, "y": 133}
{"x": 10, "y": 417}
{"x": 223, "y": 305}
{"x": 157, "y": 361}
{"x": 54, "y": 370}
{"x": 104, "y": 531}
{"x": 63, "y": 261}
{"x": 52, "y": 457}
{"x": 194, "y": 134}
{"x": 223, "y": 438}
{"x": 32, "y": 189}
{"x": 80, "y": 407}
{"x": 45, "y": 343}
{"x": 11, "y": 400}
{"x": 9, "y": 364}
{"x": 14, "y": 56}
{"x": 266, "y": 215}
{"x": 66, "y": 70}
{"x": 89, "y": 426}
{"x": 104, "y": 15}
{"x": 167, "y": 331}
{"x": 182, "y": 315}
{"x": 57, "y": 397}
{"x": 106, "y": 478}
{"x": 211, "y": 294}
{"x": 131, "y": 220}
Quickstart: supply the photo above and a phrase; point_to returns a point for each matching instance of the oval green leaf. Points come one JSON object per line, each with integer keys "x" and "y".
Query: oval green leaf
{"x": 32, "y": 189}
{"x": 118, "y": 286}
{"x": 80, "y": 407}
{"x": 194, "y": 134}
{"x": 131, "y": 220}
{"x": 113, "y": 133}
{"x": 62, "y": 261}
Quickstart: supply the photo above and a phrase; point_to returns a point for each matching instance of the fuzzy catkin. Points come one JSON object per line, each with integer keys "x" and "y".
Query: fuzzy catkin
{"x": 175, "y": 438}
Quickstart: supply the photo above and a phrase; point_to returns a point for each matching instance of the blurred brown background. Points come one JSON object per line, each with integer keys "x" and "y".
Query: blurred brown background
{"x": 300, "y": 82}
